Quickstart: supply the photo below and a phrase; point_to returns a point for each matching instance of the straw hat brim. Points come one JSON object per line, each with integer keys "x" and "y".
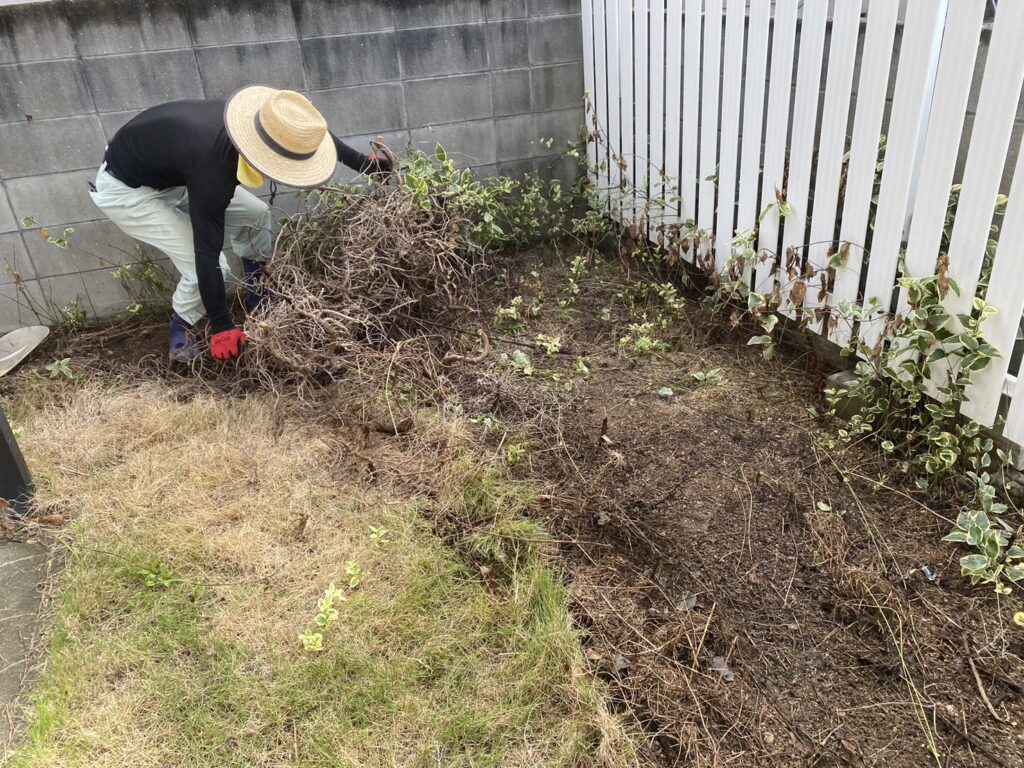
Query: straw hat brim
{"x": 239, "y": 119}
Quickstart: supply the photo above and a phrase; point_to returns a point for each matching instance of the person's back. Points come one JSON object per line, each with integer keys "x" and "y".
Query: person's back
{"x": 168, "y": 145}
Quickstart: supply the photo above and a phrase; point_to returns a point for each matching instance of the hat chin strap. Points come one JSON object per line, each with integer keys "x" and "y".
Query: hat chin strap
{"x": 270, "y": 142}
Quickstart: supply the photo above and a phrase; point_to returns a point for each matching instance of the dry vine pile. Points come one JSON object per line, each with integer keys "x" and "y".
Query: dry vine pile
{"x": 356, "y": 275}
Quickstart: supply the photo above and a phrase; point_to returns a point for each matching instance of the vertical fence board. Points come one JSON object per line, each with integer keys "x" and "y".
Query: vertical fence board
{"x": 589, "y": 85}
{"x": 753, "y": 114}
{"x": 732, "y": 86}
{"x": 600, "y": 96}
{"x": 656, "y": 103}
{"x": 831, "y": 145}
{"x": 613, "y": 117}
{"x": 860, "y": 179}
{"x": 1000, "y": 330}
{"x": 942, "y": 142}
{"x": 624, "y": 52}
{"x": 901, "y": 149}
{"x": 709, "y": 115}
{"x": 990, "y": 138}
{"x": 691, "y": 113}
{"x": 626, "y": 152}
{"x": 801, "y": 146}
{"x": 783, "y": 36}
{"x": 641, "y": 161}
{"x": 673, "y": 98}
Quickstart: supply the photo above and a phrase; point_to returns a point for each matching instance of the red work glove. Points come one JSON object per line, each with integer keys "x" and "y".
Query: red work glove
{"x": 377, "y": 164}
{"x": 227, "y": 345}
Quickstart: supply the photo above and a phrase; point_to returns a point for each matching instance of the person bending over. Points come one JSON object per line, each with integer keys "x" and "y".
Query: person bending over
{"x": 170, "y": 178}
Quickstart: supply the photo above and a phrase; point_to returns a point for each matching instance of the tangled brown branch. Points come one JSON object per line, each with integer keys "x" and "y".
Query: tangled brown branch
{"x": 352, "y": 275}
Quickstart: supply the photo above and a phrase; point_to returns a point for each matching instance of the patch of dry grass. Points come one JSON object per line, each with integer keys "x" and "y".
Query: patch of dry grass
{"x": 427, "y": 665}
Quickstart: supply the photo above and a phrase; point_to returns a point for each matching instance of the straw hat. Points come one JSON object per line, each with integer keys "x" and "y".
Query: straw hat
{"x": 282, "y": 135}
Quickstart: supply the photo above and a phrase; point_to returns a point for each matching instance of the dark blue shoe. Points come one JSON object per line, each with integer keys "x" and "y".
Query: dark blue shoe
{"x": 252, "y": 272}
{"x": 183, "y": 349}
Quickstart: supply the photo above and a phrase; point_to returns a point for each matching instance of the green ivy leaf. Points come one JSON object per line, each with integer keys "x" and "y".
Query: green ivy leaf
{"x": 974, "y": 563}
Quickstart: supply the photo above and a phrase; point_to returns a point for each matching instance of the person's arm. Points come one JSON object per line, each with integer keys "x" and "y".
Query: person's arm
{"x": 206, "y": 211}
{"x": 357, "y": 161}
{"x": 209, "y": 194}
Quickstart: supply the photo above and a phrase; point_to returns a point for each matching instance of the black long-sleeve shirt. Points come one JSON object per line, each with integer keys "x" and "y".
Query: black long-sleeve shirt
{"x": 185, "y": 144}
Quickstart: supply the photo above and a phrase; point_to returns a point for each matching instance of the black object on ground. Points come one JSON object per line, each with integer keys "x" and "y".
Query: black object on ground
{"x": 15, "y": 482}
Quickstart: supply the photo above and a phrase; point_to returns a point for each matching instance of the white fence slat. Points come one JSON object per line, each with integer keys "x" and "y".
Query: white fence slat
{"x": 587, "y": 11}
{"x": 709, "y": 115}
{"x": 801, "y": 145}
{"x": 626, "y": 98}
{"x": 942, "y": 142}
{"x": 901, "y": 149}
{"x": 600, "y": 96}
{"x": 753, "y": 113}
{"x": 656, "y": 103}
{"x": 691, "y": 113}
{"x": 873, "y": 80}
{"x": 641, "y": 164}
{"x": 732, "y": 84}
{"x": 625, "y": 12}
{"x": 990, "y": 138}
{"x": 831, "y": 144}
{"x": 673, "y": 98}
{"x": 613, "y": 119}
{"x": 1000, "y": 329}
{"x": 779, "y": 87}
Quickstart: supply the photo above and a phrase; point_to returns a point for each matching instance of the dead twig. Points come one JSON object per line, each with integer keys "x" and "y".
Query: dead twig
{"x": 977, "y": 679}
{"x": 485, "y": 344}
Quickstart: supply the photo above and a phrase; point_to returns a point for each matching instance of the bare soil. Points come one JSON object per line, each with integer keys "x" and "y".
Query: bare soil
{"x": 751, "y": 595}
{"x": 754, "y": 599}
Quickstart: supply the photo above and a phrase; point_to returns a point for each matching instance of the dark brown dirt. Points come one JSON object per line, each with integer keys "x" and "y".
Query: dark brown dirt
{"x": 126, "y": 343}
{"x": 751, "y": 597}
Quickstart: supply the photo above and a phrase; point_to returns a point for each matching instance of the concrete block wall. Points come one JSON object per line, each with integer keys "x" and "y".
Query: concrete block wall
{"x": 485, "y": 78}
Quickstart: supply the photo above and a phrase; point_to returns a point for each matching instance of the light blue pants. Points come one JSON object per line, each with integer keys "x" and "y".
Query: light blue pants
{"x": 159, "y": 217}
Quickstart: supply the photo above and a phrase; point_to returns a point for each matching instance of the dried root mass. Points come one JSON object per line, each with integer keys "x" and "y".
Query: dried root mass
{"x": 356, "y": 275}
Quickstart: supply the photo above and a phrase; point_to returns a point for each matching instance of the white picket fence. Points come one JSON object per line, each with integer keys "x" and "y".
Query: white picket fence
{"x": 727, "y": 101}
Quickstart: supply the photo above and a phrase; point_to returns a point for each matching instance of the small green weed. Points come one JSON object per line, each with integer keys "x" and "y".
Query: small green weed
{"x": 642, "y": 339}
{"x": 355, "y": 574}
{"x": 327, "y": 613}
{"x": 73, "y": 317}
{"x": 62, "y": 369}
{"x": 510, "y": 317}
{"x": 520, "y": 361}
{"x": 379, "y": 536}
{"x": 713, "y": 377}
{"x": 515, "y": 453}
{"x": 143, "y": 281}
{"x": 551, "y": 345}
{"x": 489, "y": 422}
{"x": 157, "y": 575}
